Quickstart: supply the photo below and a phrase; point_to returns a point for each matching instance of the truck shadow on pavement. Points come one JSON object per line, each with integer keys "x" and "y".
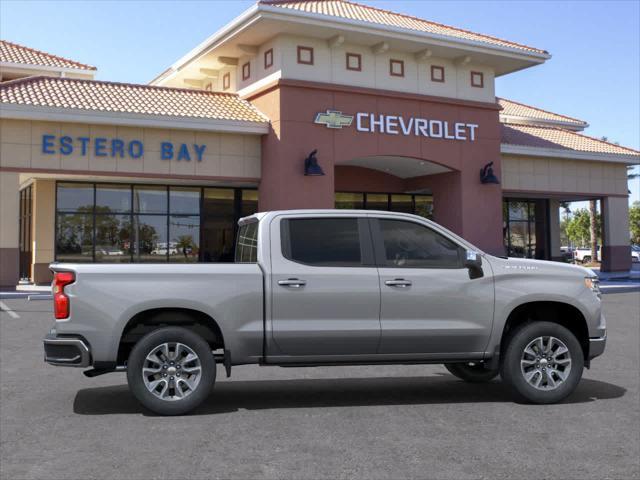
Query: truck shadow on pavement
{"x": 231, "y": 396}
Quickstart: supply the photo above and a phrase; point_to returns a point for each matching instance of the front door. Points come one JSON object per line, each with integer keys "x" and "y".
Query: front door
{"x": 325, "y": 289}
{"x": 429, "y": 305}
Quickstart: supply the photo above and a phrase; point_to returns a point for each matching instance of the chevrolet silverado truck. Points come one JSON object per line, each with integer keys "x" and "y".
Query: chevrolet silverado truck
{"x": 329, "y": 287}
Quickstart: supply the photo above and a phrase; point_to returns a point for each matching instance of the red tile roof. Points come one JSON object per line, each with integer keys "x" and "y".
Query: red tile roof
{"x": 127, "y": 98}
{"x": 354, "y": 11}
{"x": 14, "y": 53}
{"x": 517, "y": 109}
{"x": 559, "y": 139}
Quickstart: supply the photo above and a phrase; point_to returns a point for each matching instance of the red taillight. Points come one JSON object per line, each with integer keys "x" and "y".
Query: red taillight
{"x": 60, "y": 300}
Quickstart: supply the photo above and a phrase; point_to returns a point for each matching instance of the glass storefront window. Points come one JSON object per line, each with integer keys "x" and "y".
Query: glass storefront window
{"x": 523, "y": 235}
{"x": 113, "y": 198}
{"x": 74, "y": 237}
{"x": 184, "y": 234}
{"x": 349, "y": 201}
{"x": 377, "y": 201}
{"x": 113, "y": 238}
{"x": 402, "y": 203}
{"x": 417, "y": 204}
{"x": 218, "y": 225}
{"x": 249, "y": 203}
{"x": 149, "y": 199}
{"x": 150, "y": 239}
{"x": 73, "y": 196}
{"x": 184, "y": 200}
{"x": 424, "y": 206}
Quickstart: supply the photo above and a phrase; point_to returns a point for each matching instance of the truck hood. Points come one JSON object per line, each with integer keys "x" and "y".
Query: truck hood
{"x": 503, "y": 265}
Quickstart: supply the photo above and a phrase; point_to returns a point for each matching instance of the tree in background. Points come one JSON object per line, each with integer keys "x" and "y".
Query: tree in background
{"x": 593, "y": 228}
{"x": 634, "y": 222}
{"x": 579, "y": 227}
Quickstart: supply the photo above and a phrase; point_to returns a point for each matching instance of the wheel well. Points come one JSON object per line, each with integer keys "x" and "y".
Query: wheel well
{"x": 144, "y": 322}
{"x": 561, "y": 313}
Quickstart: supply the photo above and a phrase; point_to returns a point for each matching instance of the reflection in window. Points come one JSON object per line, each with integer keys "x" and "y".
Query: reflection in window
{"x": 74, "y": 237}
{"x": 150, "y": 239}
{"x": 113, "y": 198}
{"x": 524, "y": 222}
{"x": 249, "y": 203}
{"x": 353, "y": 201}
{"x": 417, "y": 204}
{"x": 184, "y": 200}
{"x": 72, "y": 196}
{"x": 218, "y": 225}
{"x": 184, "y": 234}
{"x": 148, "y": 199}
{"x": 113, "y": 238}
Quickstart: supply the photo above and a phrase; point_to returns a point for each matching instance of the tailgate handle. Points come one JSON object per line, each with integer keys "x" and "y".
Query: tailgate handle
{"x": 292, "y": 282}
{"x": 398, "y": 282}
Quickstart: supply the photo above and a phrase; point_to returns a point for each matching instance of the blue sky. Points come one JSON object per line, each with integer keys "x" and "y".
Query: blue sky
{"x": 594, "y": 73}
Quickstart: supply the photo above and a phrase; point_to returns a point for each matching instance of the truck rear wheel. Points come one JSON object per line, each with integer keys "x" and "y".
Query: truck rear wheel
{"x": 542, "y": 363}
{"x": 471, "y": 372}
{"x": 171, "y": 370}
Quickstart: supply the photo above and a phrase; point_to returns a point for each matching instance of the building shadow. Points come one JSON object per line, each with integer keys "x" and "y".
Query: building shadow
{"x": 231, "y": 396}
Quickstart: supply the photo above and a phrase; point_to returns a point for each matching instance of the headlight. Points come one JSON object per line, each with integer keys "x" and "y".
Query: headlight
{"x": 593, "y": 284}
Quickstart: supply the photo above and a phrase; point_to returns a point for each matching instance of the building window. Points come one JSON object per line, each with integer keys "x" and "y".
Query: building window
{"x": 396, "y": 68}
{"x": 123, "y": 223}
{"x": 477, "y": 79}
{"x": 305, "y": 55}
{"x": 354, "y": 62}
{"x": 421, "y": 205}
{"x": 526, "y": 228}
{"x": 226, "y": 81}
{"x": 437, "y": 74}
{"x": 24, "y": 229}
{"x": 268, "y": 58}
{"x": 246, "y": 71}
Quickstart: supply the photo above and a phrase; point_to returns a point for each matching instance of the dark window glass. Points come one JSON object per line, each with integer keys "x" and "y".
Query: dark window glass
{"x": 74, "y": 196}
{"x": 113, "y": 198}
{"x": 184, "y": 200}
{"x": 411, "y": 245}
{"x": 424, "y": 206}
{"x": 247, "y": 245}
{"x": 113, "y": 238}
{"x": 218, "y": 224}
{"x": 352, "y": 201}
{"x": 249, "y": 203}
{"x": 150, "y": 239}
{"x": 147, "y": 199}
{"x": 377, "y": 201}
{"x": 324, "y": 242}
{"x": 184, "y": 233}
{"x": 74, "y": 237}
{"x": 402, "y": 203}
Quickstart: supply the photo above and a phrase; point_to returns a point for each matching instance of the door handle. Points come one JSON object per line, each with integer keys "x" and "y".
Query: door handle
{"x": 398, "y": 282}
{"x": 292, "y": 282}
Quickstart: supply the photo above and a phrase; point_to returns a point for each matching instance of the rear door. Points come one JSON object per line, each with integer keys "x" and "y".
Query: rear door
{"x": 429, "y": 304}
{"x": 325, "y": 288}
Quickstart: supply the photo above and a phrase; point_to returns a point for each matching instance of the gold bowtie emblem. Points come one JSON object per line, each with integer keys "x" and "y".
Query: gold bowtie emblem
{"x": 334, "y": 119}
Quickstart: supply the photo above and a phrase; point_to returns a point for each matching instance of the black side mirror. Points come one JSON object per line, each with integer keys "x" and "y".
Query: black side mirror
{"x": 473, "y": 262}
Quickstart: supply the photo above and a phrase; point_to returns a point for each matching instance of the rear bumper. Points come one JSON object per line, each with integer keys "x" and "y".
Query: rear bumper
{"x": 596, "y": 346}
{"x": 66, "y": 351}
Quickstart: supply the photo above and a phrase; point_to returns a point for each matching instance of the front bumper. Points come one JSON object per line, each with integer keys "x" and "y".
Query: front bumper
{"x": 66, "y": 351}
{"x": 596, "y": 346}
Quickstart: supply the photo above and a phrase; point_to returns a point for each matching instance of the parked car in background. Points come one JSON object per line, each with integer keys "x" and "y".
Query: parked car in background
{"x": 583, "y": 255}
{"x": 330, "y": 287}
{"x": 635, "y": 253}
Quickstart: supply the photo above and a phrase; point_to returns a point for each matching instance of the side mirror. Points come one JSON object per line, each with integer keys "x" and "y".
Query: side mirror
{"x": 473, "y": 262}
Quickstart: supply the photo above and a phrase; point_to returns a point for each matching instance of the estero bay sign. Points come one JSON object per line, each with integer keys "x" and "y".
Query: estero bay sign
{"x": 399, "y": 125}
{"x": 116, "y": 147}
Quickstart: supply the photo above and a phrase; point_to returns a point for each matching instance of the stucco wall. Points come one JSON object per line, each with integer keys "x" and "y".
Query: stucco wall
{"x": 9, "y": 212}
{"x": 226, "y": 155}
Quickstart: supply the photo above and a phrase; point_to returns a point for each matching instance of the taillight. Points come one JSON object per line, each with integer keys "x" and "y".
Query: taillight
{"x": 60, "y": 299}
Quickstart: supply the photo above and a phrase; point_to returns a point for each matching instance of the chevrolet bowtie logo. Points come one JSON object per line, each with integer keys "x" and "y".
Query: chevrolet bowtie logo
{"x": 334, "y": 119}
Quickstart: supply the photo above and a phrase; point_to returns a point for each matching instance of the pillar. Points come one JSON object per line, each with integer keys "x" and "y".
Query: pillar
{"x": 9, "y": 221}
{"x": 616, "y": 249}
{"x": 554, "y": 231}
{"x": 44, "y": 200}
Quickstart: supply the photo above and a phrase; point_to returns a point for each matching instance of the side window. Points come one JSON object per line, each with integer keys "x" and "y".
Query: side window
{"x": 247, "y": 245}
{"x": 328, "y": 242}
{"x": 410, "y": 245}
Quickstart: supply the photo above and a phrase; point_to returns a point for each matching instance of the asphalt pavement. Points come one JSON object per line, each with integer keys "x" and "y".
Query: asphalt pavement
{"x": 377, "y": 422}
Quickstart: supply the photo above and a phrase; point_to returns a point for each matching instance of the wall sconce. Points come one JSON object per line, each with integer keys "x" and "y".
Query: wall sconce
{"x": 487, "y": 176}
{"x": 311, "y": 167}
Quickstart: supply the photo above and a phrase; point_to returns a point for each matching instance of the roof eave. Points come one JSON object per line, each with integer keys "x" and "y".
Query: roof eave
{"x": 575, "y": 126}
{"x": 511, "y": 149}
{"x": 75, "y": 115}
{"x": 48, "y": 68}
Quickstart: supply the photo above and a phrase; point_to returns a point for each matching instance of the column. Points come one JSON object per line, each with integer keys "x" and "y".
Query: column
{"x": 9, "y": 221}
{"x": 554, "y": 231}
{"x": 44, "y": 200}
{"x": 616, "y": 249}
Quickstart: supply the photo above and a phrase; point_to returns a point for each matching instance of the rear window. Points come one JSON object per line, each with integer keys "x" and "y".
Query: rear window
{"x": 247, "y": 244}
{"x": 330, "y": 242}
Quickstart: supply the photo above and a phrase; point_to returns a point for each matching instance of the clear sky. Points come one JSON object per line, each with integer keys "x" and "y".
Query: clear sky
{"x": 594, "y": 72}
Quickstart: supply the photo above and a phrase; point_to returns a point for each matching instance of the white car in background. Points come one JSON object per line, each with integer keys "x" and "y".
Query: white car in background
{"x": 583, "y": 255}
{"x": 635, "y": 253}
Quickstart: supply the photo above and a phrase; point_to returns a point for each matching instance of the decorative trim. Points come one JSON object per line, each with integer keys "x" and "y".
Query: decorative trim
{"x": 555, "y": 194}
{"x": 308, "y": 50}
{"x": 226, "y": 81}
{"x": 268, "y": 58}
{"x": 474, "y": 77}
{"x": 246, "y": 71}
{"x": 358, "y": 59}
{"x": 393, "y": 62}
{"x": 434, "y": 75}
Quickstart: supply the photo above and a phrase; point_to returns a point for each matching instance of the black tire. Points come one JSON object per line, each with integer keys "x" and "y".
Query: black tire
{"x": 513, "y": 375}
{"x": 474, "y": 373}
{"x": 137, "y": 360}
{"x": 586, "y": 259}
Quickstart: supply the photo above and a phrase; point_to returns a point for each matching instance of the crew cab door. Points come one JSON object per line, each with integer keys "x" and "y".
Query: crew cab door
{"x": 324, "y": 286}
{"x": 429, "y": 303}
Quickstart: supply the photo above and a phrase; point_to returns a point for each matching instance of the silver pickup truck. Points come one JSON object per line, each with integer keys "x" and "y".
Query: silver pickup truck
{"x": 329, "y": 287}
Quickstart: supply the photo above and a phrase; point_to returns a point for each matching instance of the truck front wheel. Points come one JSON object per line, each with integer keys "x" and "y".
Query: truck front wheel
{"x": 471, "y": 372}
{"x": 542, "y": 362}
{"x": 171, "y": 370}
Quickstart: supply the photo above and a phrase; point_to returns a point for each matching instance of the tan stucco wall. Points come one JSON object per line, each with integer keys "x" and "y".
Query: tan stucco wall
{"x": 226, "y": 154}
{"x": 616, "y": 221}
{"x": 9, "y": 209}
{"x": 44, "y": 201}
{"x": 533, "y": 174}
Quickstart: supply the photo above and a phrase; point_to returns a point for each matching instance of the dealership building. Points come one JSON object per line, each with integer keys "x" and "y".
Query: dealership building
{"x": 401, "y": 113}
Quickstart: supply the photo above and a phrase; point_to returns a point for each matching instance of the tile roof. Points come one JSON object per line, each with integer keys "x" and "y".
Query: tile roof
{"x": 127, "y": 98}
{"x": 14, "y": 53}
{"x": 516, "y": 109}
{"x": 354, "y": 11}
{"x": 559, "y": 139}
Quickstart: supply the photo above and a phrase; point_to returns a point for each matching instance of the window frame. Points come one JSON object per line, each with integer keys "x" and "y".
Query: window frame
{"x": 268, "y": 58}
{"x": 480, "y": 75}
{"x": 246, "y": 71}
{"x": 367, "y": 256}
{"x": 439, "y": 68}
{"x": 357, "y": 56}
{"x": 393, "y": 61}
{"x": 302, "y": 48}
{"x": 226, "y": 81}
{"x": 380, "y": 252}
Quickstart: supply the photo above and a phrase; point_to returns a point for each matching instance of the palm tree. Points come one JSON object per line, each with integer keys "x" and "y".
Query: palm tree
{"x": 593, "y": 230}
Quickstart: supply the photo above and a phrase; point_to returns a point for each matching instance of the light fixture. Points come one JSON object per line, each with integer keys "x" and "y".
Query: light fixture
{"x": 311, "y": 167}
{"x": 487, "y": 176}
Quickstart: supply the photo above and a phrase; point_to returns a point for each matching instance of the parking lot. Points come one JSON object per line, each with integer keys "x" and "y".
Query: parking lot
{"x": 330, "y": 422}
